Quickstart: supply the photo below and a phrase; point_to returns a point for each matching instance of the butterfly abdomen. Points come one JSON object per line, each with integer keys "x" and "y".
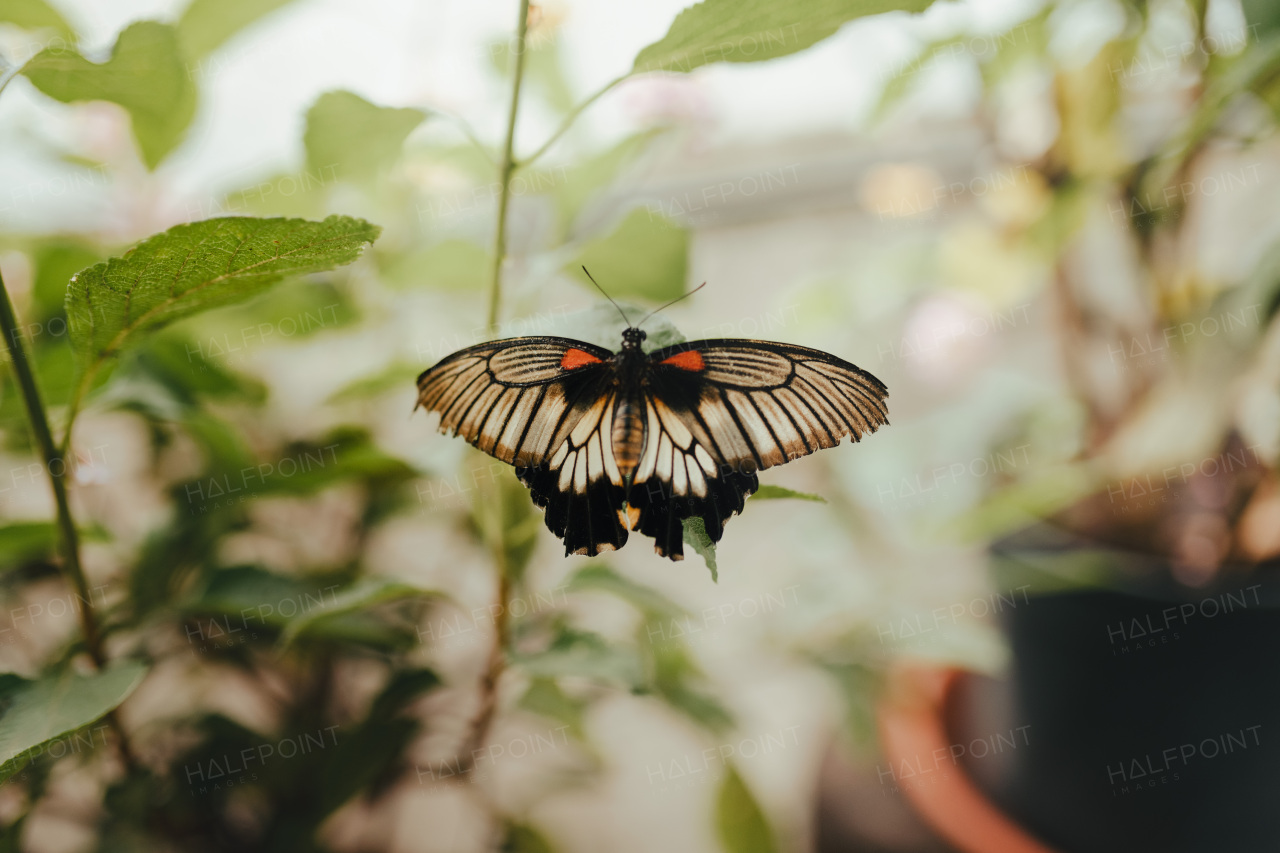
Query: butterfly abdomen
{"x": 627, "y": 435}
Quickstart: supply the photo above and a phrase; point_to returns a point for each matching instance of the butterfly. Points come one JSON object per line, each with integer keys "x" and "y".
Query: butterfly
{"x": 611, "y": 442}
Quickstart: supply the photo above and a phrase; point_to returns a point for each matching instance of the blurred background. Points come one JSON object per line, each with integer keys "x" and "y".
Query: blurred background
{"x": 1034, "y": 613}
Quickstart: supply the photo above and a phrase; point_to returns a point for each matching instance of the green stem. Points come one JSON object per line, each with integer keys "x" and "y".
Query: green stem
{"x": 54, "y": 461}
{"x": 569, "y": 120}
{"x": 70, "y": 539}
{"x": 77, "y": 396}
{"x": 508, "y": 169}
{"x": 494, "y": 669}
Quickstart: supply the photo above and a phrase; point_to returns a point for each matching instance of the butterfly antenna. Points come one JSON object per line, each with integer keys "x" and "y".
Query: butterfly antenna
{"x": 672, "y": 302}
{"x": 610, "y": 298}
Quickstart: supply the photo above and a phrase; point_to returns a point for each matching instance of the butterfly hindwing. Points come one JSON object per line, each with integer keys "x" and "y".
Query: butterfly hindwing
{"x": 580, "y": 486}
{"x": 678, "y": 479}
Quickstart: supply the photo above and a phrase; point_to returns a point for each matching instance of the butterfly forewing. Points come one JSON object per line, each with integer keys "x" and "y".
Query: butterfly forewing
{"x": 514, "y": 398}
{"x": 759, "y": 404}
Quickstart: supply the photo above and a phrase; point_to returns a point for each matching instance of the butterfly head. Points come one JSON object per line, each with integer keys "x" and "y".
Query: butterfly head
{"x": 632, "y": 337}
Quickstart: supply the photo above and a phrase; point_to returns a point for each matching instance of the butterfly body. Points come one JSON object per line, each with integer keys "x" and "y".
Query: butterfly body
{"x": 611, "y": 442}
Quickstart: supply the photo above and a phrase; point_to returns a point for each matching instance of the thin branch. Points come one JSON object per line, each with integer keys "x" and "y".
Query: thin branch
{"x": 77, "y": 398}
{"x": 464, "y": 761}
{"x": 468, "y": 131}
{"x": 570, "y": 119}
{"x": 55, "y": 466}
{"x": 507, "y": 170}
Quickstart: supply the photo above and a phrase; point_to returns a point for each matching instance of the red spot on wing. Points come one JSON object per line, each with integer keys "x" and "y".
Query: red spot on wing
{"x": 687, "y": 360}
{"x": 575, "y": 358}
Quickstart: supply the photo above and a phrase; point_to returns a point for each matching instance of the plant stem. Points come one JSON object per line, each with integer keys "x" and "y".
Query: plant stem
{"x": 53, "y": 461}
{"x": 497, "y": 664}
{"x": 570, "y": 119}
{"x": 508, "y": 169}
{"x": 498, "y": 652}
{"x": 82, "y": 387}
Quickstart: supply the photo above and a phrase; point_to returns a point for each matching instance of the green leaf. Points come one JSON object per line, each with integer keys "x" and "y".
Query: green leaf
{"x": 342, "y": 455}
{"x": 28, "y": 541}
{"x": 356, "y": 139}
{"x": 1263, "y": 16}
{"x": 545, "y": 698}
{"x": 695, "y": 535}
{"x": 646, "y": 256}
{"x": 754, "y": 30}
{"x": 22, "y": 542}
{"x": 56, "y": 261}
{"x": 740, "y": 822}
{"x": 206, "y": 25}
{"x": 290, "y": 312}
{"x": 146, "y": 75}
{"x": 521, "y": 838}
{"x": 679, "y": 681}
{"x": 360, "y": 596}
{"x": 255, "y": 595}
{"x": 1018, "y": 504}
{"x": 583, "y": 654}
{"x": 252, "y": 598}
{"x": 35, "y": 15}
{"x": 458, "y": 265}
{"x": 179, "y": 366}
{"x": 56, "y": 705}
{"x": 197, "y": 266}
{"x": 402, "y": 689}
{"x": 604, "y": 579}
{"x": 861, "y": 685}
{"x": 1261, "y": 286}
{"x": 585, "y": 181}
{"x": 770, "y": 493}
{"x": 368, "y": 755}
{"x": 397, "y": 376}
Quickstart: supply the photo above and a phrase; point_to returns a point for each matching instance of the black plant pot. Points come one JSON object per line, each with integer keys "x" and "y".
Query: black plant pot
{"x": 1153, "y": 710}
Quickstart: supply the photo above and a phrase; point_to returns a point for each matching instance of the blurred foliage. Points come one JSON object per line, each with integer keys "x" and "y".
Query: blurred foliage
{"x": 35, "y": 15}
{"x": 146, "y": 74}
{"x": 57, "y": 704}
{"x": 742, "y": 824}
{"x": 244, "y": 542}
{"x": 206, "y": 24}
{"x": 354, "y": 138}
{"x": 736, "y": 31}
{"x": 645, "y": 257}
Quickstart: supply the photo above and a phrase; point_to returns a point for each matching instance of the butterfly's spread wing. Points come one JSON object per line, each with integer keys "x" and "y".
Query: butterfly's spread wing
{"x": 542, "y": 404}
{"x": 719, "y": 410}
{"x": 512, "y": 398}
